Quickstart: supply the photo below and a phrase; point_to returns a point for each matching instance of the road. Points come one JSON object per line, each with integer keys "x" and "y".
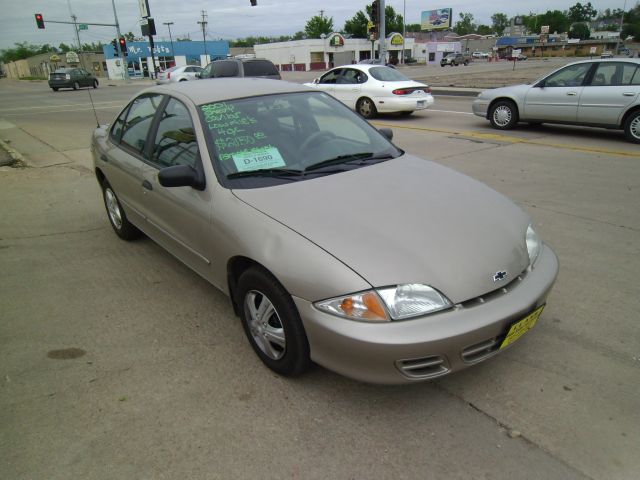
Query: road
{"x": 118, "y": 362}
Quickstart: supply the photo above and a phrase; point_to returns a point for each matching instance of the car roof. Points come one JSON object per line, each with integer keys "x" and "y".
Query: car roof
{"x": 623, "y": 59}
{"x": 211, "y": 90}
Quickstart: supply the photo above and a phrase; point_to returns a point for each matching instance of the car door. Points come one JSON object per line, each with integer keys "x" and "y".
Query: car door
{"x": 124, "y": 157}
{"x": 556, "y": 97}
{"x": 614, "y": 86}
{"x": 348, "y": 86}
{"x": 327, "y": 82}
{"x": 178, "y": 217}
{"x": 85, "y": 78}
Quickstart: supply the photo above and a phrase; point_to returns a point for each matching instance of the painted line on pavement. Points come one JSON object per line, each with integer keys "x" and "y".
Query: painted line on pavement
{"x": 513, "y": 140}
{"x": 449, "y": 111}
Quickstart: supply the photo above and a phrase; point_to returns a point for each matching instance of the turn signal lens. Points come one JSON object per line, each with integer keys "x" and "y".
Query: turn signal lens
{"x": 364, "y": 306}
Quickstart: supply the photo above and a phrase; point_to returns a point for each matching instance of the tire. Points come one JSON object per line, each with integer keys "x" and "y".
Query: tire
{"x": 115, "y": 213}
{"x": 632, "y": 127}
{"x": 466, "y": 62}
{"x": 503, "y": 115}
{"x": 55, "y": 89}
{"x": 272, "y": 323}
{"x": 95, "y": 84}
{"x": 366, "y": 108}
{"x": 76, "y": 86}
{"x": 406, "y": 114}
{"x": 182, "y": 80}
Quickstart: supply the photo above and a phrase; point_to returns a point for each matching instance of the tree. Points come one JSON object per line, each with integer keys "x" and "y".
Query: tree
{"x": 393, "y": 22}
{"x": 484, "y": 30}
{"x": 580, "y": 30}
{"x": 499, "y": 22}
{"x": 413, "y": 27}
{"x": 555, "y": 19}
{"x": 465, "y": 25}
{"x": 24, "y": 50}
{"x": 64, "y": 48}
{"x": 317, "y": 25}
{"x": 129, "y": 37}
{"x": 357, "y": 25}
{"x": 581, "y": 13}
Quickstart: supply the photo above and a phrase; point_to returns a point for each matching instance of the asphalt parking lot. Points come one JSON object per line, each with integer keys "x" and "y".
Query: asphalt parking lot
{"x": 119, "y": 362}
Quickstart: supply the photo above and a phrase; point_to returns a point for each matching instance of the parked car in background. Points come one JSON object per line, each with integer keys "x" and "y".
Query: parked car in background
{"x": 71, "y": 78}
{"x": 606, "y": 54}
{"x": 519, "y": 57}
{"x": 375, "y": 61}
{"x": 478, "y": 54}
{"x": 455, "y": 59}
{"x": 178, "y": 74}
{"x": 334, "y": 245}
{"x": 241, "y": 67}
{"x": 598, "y": 93}
{"x": 370, "y": 89}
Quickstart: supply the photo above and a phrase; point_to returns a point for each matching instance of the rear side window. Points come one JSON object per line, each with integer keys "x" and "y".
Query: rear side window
{"x": 614, "y": 74}
{"x": 225, "y": 69}
{"x": 138, "y": 122}
{"x": 258, "y": 68}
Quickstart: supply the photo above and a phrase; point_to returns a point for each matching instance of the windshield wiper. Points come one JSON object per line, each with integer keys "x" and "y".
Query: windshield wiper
{"x": 268, "y": 172}
{"x": 361, "y": 157}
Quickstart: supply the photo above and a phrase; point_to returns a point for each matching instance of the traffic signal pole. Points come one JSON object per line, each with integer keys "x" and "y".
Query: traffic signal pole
{"x": 382, "y": 45}
{"x": 123, "y": 56}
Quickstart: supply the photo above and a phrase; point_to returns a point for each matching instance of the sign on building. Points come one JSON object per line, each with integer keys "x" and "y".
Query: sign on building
{"x": 436, "y": 19}
{"x": 72, "y": 57}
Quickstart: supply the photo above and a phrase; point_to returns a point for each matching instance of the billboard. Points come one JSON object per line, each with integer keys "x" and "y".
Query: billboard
{"x": 436, "y": 19}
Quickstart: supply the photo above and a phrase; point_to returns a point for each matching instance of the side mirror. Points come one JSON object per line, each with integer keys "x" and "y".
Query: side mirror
{"x": 181, "y": 176}
{"x": 387, "y": 132}
{"x": 316, "y": 80}
{"x": 540, "y": 84}
{"x": 198, "y": 75}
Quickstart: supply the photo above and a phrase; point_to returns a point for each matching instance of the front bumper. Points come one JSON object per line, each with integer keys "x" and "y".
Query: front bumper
{"x": 431, "y": 346}
{"x": 407, "y": 103}
{"x": 480, "y": 107}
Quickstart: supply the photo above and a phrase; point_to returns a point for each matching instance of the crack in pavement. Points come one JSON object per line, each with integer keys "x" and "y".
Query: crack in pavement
{"x": 44, "y": 235}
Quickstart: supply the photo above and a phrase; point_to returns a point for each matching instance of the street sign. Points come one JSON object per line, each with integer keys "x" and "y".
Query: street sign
{"x": 83, "y": 26}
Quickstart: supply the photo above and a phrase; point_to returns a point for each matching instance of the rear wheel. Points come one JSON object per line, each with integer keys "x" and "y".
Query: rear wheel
{"x": 366, "y": 108}
{"x": 632, "y": 127}
{"x": 503, "y": 115}
{"x": 55, "y": 89}
{"x": 76, "y": 86}
{"x": 95, "y": 84}
{"x": 272, "y": 323}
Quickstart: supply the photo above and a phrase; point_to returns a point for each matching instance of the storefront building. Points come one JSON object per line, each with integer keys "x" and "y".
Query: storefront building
{"x": 166, "y": 54}
{"x": 332, "y": 51}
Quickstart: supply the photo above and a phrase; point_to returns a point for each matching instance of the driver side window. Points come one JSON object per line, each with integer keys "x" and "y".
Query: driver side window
{"x": 175, "y": 142}
{"x": 571, "y": 76}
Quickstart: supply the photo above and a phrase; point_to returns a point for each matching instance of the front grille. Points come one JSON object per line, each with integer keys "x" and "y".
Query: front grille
{"x": 473, "y": 302}
{"x": 425, "y": 367}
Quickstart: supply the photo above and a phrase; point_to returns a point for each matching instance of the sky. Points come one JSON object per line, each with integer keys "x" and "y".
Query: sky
{"x": 230, "y": 19}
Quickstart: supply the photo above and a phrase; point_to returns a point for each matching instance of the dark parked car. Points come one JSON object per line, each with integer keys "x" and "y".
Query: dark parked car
{"x": 71, "y": 78}
{"x": 245, "y": 67}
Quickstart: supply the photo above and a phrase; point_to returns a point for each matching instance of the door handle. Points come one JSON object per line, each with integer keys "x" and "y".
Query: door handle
{"x": 572, "y": 94}
{"x": 147, "y": 184}
{"x": 629, "y": 94}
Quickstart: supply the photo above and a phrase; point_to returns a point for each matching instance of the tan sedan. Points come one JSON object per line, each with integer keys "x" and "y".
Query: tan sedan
{"x": 334, "y": 245}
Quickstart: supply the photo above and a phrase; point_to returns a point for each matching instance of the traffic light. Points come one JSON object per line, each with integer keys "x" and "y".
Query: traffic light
{"x": 114, "y": 43}
{"x": 39, "y": 20}
{"x": 123, "y": 45}
{"x": 375, "y": 12}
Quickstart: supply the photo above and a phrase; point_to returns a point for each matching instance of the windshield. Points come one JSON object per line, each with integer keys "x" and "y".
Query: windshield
{"x": 386, "y": 74}
{"x": 272, "y": 139}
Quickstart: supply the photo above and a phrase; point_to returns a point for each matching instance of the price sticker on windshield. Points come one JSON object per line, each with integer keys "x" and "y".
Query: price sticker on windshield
{"x": 257, "y": 159}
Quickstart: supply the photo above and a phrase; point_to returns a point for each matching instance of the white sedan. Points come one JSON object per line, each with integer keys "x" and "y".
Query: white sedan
{"x": 369, "y": 89}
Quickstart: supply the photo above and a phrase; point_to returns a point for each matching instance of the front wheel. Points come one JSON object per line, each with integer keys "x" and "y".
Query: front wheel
{"x": 632, "y": 127}
{"x": 366, "y": 108}
{"x": 272, "y": 323}
{"x": 55, "y": 89}
{"x": 76, "y": 85}
{"x": 117, "y": 218}
{"x": 503, "y": 115}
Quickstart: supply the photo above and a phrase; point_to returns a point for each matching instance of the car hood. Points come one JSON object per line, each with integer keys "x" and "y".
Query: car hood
{"x": 513, "y": 91}
{"x": 407, "y": 220}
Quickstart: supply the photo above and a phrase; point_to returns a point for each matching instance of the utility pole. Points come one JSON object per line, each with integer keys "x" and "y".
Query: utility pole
{"x": 168, "y": 24}
{"x": 122, "y": 54}
{"x": 382, "y": 36}
{"x": 203, "y": 24}
{"x": 404, "y": 27}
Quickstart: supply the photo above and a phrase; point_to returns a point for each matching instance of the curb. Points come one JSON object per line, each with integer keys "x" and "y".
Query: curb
{"x": 17, "y": 160}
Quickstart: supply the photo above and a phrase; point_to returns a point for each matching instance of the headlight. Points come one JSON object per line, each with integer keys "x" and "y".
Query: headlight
{"x": 533, "y": 244}
{"x": 386, "y": 304}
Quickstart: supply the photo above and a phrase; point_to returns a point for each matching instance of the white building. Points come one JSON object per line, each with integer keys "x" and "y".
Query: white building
{"x": 332, "y": 51}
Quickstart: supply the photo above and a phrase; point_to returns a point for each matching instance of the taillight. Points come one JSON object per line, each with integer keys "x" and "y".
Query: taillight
{"x": 402, "y": 91}
{"x": 67, "y": 76}
{"x": 427, "y": 90}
